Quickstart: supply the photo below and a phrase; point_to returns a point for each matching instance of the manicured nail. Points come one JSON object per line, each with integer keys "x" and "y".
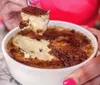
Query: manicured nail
{"x": 35, "y": 1}
{"x": 69, "y": 81}
{"x": 32, "y": 4}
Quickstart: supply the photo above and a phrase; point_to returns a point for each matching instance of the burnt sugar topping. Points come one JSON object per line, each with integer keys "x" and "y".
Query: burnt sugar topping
{"x": 68, "y": 48}
{"x": 23, "y": 24}
{"x": 34, "y": 18}
{"x": 34, "y": 11}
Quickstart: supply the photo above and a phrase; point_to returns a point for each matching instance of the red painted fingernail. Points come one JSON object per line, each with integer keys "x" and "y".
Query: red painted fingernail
{"x": 32, "y": 4}
{"x": 35, "y": 1}
{"x": 69, "y": 81}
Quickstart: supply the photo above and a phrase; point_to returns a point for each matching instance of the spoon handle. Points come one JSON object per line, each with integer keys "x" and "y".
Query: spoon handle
{"x": 28, "y": 2}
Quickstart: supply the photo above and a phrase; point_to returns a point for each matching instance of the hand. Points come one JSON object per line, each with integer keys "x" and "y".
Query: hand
{"x": 97, "y": 34}
{"x": 9, "y": 10}
{"x": 89, "y": 74}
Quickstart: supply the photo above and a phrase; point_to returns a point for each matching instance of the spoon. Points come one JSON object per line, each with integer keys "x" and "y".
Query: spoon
{"x": 28, "y": 2}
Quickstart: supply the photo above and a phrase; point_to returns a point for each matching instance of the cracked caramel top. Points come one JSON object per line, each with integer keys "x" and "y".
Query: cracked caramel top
{"x": 68, "y": 48}
{"x": 34, "y": 11}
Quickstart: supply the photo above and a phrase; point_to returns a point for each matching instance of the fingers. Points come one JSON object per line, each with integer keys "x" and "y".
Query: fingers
{"x": 89, "y": 71}
{"x": 86, "y": 73}
{"x": 8, "y": 9}
{"x": 12, "y": 23}
{"x": 95, "y": 81}
{"x": 22, "y": 3}
{"x": 88, "y": 83}
{"x": 2, "y": 4}
{"x": 10, "y": 15}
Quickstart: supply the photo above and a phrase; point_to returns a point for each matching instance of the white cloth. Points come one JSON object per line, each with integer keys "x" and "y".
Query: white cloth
{"x": 5, "y": 76}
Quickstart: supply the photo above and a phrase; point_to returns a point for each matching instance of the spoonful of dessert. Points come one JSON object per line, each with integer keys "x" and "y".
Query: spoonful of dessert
{"x": 34, "y": 18}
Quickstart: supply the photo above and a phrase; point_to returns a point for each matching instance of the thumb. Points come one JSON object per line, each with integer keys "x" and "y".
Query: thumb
{"x": 85, "y": 73}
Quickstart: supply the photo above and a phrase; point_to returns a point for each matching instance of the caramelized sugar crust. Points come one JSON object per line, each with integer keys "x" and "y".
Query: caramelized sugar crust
{"x": 67, "y": 46}
{"x": 34, "y": 11}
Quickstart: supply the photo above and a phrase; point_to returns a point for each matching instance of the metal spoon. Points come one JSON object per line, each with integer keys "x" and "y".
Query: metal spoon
{"x": 28, "y": 2}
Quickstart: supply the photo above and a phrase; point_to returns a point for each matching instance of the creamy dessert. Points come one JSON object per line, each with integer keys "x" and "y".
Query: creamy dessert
{"x": 57, "y": 48}
{"x": 38, "y": 45}
{"x": 33, "y": 48}
{"x": 35, "y": 18}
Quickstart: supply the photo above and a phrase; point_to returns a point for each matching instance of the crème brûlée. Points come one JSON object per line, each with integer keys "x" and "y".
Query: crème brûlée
{"x": 57, "y": 47}
{"x": 35, "y": 18}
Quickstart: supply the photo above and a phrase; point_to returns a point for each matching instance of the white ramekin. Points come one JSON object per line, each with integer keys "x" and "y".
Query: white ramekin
{"x": 27, "y": 75}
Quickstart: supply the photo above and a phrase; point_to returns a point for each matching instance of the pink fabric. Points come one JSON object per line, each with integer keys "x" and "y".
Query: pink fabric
{"x": 82, "y": 12}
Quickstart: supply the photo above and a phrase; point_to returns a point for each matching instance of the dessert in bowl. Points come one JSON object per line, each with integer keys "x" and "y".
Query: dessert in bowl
{"x": 48, "y": 58}
{"x": 57, "y": 47}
